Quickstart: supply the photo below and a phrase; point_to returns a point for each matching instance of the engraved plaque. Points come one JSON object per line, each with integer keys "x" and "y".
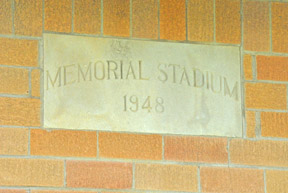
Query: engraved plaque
{"x": 141, "y": 86}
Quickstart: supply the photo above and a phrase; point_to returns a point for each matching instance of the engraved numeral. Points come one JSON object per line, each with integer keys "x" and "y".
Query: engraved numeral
{"x": 131, "y": 103}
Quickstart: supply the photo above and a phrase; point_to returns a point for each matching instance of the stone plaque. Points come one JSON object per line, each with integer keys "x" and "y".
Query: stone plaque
{"x": 141, "y": 86}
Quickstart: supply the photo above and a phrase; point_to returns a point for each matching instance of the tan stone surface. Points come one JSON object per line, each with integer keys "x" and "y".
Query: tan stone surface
{"x": 259, "y": 153}
{"x": 87, "y": 16}
{"x": 19, "y": 111}
{"x": 277, "y": 181}
{"x": 63, "y": 143}
{"x": 108, "y": 175}
{"x": 14, "y": 141}
{"x": 28, "y": 17}
{"x": 14, "y": 81}
{"x": 172, "y": 20}
{"x": 130, "y": 146}
{"x": 166, "y": 177}
{"x": 133, "y": 85}
{"x": 266, "y": 96}
{"x": 116, "y": 21}
{"x": 31, "y": 172}
{"x": 18, "y": 52}
{"x": 196, "y": 149}
{"x": 228, "y": 180}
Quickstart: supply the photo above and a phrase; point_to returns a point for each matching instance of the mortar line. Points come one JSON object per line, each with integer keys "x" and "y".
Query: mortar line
{"x": 13, "y": 16}
{"x": 199, "y": 179}
{"x": 131, "y": 19}
{"x": 265, "y": 181}
{"x": 102, "y": 17}
{"x": 21, "y": 37}
{"x": 19, "y": 96}
{"x": 133, "y": 175}
{"x": 65, "y": 174}
{"x": 270, "y": 26}
{"x": 254, "y": 68}
{"x": 72, "y": 18}
{"x": 266, "y": 53}
{"x": 19, "y": 67}
{"x": 267, "y": 81}
{"x": 267, "y": 110}
{"x": 258, "y": 131}
{"x": 158, "y": 1}
{"x": 214, "y": 21}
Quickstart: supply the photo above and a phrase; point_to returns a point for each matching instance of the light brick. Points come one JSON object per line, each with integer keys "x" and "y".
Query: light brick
{"x": 272, "y": 68}
{"x": 274, "y": 124}
{"x": 14, "y": 81}
{"x": 19, "y": 111}
{"x": 35, "y": 83}
{"x": 108, "y": 175}
{"x": 228, "y": 21}
{"x": 166, "y": 177}
{"x": 12, "y": 191}
{"x": 58, "y": 15}
{"x": 130, "y": 146}
{"x": 248, "y": 70}
{"x": 60, "y": 191}
{"x": 280, "y": 27}
{"x": 14, "y": 141}
{"x": 6, "y": 17}
{"x": 196, "y": 149}
{"x": 266, "y": 96}
{"x": 250, "y": 124}
{"x": 116, "y": 18}
{"x": 256, "y": 26}
{"x": 200, "y": 22}
{"x": 28, "y": 17}
{"x": 87, "y": 16}
{"x": 63, "y": 143}
{"x": 18, "y": 52}
{"x": 259, "y": 153}
{"x": 31, "y": 172}
{"x": 277, "y": 181}
{"x": 145, "y": 19}
{"x": 236, "y": 180}
{"x": 172, "y": 19}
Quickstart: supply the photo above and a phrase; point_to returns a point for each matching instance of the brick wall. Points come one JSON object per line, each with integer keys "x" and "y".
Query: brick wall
{"x": 35, "y": 160}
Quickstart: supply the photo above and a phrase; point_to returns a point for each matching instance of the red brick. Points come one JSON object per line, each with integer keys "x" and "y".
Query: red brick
{"x": 18, "y": 52}
{"x": 228, "y": 21}
{"x": 63, "y": 143}
{"x": 236, "y": 180}
{"x": 172, "y": 20}
{"x": 274, "y": 124}
{"x": 108, "y": 175}
{"x": 256, "y": 26}
{"x": 248, "y": 70}
{"x": 272, "y": 68}
{"x": 130, "y": 146}
{"x": 166, "y": 177}
{"x": 259, "y": 153}
{"x": 31, "y": 172}
{"x": 196, "y": 149}
{"x": 266, "y": 96}
{"x": 20, "y": 111}
{"x": 200, "y": 22}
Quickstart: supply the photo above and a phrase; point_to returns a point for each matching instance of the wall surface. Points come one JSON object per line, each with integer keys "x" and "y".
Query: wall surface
{"x": 35, "y": 160}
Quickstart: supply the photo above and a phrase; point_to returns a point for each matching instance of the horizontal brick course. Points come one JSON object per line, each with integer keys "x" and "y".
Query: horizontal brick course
{"x": 19, "y": 111}
{"x": 266, "y": 96}
{"x": 166, "y": 177}
{"x": 259, "y": 153}
{"x": 108, "y": 175}
{"x": 196, "y": 149}
{"x": 130, "y": 146}
{"x": 18, "y": 52}
{"x": 31, "y": 172}
{"x": 228, "y": 180}
{"x": 63, "y": 143}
